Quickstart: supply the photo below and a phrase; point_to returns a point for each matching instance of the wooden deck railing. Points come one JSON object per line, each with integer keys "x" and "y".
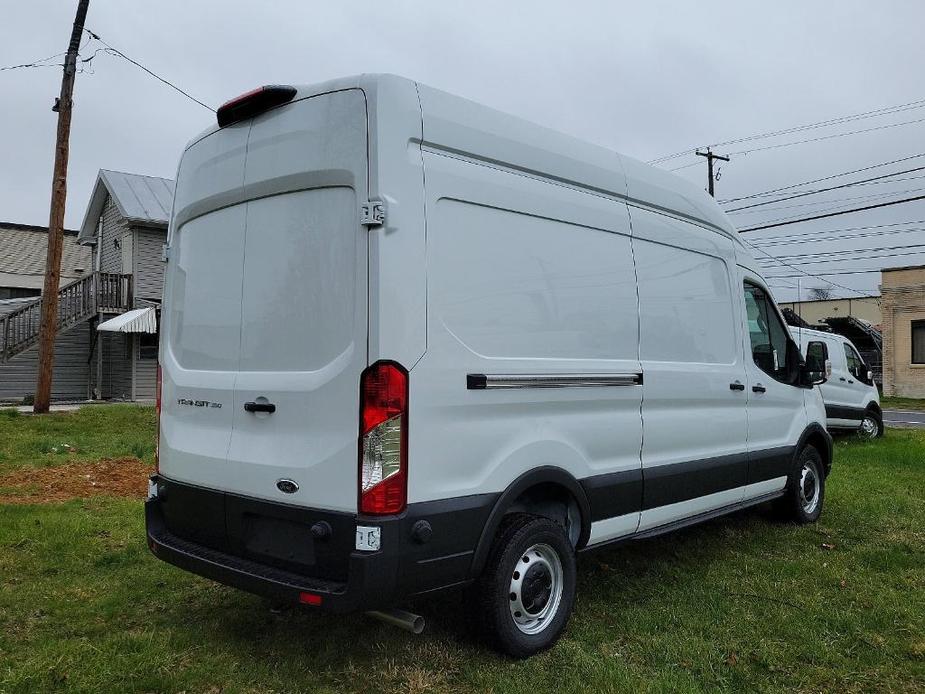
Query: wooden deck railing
{"x": 77, "y": 301}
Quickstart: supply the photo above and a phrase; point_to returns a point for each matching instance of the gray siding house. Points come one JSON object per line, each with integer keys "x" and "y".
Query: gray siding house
{"x": 22, "y": 274}
{"x": 108, "y": 315}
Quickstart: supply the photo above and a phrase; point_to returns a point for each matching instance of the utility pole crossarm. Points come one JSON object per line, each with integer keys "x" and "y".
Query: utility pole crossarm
{"x": 49, "y": 321}
{"x": 710, "y": 157}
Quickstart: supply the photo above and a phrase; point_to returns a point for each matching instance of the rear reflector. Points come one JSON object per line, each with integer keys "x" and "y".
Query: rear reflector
{"x": 253, "y": 102}
{"x": 309, "y": 599}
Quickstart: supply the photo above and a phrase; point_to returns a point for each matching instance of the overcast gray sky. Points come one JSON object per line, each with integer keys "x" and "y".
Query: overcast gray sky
{"x": 646, "y": 79}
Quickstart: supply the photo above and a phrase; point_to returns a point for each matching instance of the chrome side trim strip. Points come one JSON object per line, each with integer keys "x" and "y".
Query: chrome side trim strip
{"x": 493, "y": 381}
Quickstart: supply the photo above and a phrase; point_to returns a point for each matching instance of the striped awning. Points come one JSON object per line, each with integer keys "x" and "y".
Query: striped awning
{"x": 139, "y": 320}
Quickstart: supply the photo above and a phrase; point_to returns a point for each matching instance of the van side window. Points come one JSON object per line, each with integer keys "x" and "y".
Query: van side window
{"x": 816, "y": 355}
{"x": 768, "y": 335}
{"x": 855, "y": 363}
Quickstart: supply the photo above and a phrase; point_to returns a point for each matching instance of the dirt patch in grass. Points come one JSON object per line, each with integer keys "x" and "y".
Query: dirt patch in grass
{"x": 107, "y": 477}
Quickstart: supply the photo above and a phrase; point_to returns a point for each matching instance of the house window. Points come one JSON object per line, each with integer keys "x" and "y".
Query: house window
{"x": 147, "y": 346}
{"x": 918, "y": 342}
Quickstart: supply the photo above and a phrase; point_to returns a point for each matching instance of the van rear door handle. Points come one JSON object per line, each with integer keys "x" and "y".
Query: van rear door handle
{"x": 842, "y": 378}
{"x": 260, "y": 407}
{"x": 758, "y": 388}
{"x": 736, "y": 386}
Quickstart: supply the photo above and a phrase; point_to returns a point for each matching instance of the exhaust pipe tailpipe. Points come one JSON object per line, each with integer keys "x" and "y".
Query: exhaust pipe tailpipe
{"x": 408, "y": 621}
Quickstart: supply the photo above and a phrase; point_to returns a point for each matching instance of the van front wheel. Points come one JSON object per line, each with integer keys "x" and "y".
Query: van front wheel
{"x": 527, "y": 589}
{"x": 802, "y": 501}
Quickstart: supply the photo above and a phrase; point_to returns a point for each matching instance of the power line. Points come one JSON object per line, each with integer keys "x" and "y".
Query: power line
{"x": 824, "y": 178}
{"x": 829, "y": 137}
{"x": 849, "y": 251}
{"x": 846, "y": 237}
{"x": 823, "y": 275}
{"x": 831, "y": 214}
{"x": 810, "y": 236}
{"x": 886, "y": 110}
{"x": 856, "y": 259}
{"x": 837, "y": 202}
{"x": 117, "y": 52}
{"x": 858, "y": 183}
{"x": 801, "y": 271}
{"x": 825, "y": 190}
{"x": 35, "y": 63}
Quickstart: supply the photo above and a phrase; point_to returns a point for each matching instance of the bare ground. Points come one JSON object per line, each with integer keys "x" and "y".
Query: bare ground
{"x": 126, "y": 477}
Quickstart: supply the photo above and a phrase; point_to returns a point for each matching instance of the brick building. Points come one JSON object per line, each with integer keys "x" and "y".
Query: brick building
{"x": 903, "y": 305}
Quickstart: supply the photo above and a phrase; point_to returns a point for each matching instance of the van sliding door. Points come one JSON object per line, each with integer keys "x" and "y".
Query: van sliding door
{"x": 694, "y": 421}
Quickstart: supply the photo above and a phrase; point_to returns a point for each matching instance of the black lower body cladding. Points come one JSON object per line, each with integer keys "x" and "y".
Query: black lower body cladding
{"x": 282, "y": 551}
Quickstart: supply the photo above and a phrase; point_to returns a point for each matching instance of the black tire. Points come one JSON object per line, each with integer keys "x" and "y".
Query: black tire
{"x": 520, "y": 533}
{"x": 796, "y": 504}
{"x": 864, "y": 432}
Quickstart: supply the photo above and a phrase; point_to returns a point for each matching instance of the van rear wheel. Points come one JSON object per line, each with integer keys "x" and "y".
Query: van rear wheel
{"x": 527, "y": 589}
{"x": 805, "y": 493}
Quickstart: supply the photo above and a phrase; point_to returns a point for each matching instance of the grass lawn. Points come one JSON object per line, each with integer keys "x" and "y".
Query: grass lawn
{"x": 891, "y": 403}
{"x": 742, "y": 603}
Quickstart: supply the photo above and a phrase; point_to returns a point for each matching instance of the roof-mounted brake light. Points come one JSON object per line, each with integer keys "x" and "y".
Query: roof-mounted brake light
{"x": 253, "y": 102}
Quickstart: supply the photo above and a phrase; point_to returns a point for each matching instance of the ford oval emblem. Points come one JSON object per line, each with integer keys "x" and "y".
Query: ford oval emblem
{"x": 287, "y": 486}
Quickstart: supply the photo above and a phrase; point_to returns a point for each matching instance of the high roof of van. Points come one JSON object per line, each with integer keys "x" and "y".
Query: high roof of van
{"x": 811, "y": 332}
{"x": 464, "y": 128}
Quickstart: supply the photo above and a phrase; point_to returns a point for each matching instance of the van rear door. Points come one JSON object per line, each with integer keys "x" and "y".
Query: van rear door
{"x": 296, "y": 276}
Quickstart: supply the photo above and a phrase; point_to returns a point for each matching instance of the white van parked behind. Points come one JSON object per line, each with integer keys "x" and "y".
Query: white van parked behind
{"x": 852, "y": 401}
{"x": 412, "y": 343}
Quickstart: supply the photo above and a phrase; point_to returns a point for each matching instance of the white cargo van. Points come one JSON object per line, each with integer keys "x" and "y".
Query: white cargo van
{"x": 852, "y": 401}
{"x": 411, "y": 343}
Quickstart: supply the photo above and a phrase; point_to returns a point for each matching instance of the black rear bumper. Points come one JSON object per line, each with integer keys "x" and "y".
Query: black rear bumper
{"x": 206, "y": 532}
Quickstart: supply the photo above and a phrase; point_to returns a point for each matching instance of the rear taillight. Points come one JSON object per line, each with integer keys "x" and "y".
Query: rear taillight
{"x": 253, "y": 102}
{"x": 383, "y": 439}
{"x": 157, "y": 419}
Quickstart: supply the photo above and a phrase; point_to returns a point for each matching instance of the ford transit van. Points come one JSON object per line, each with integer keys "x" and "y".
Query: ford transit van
{"x": 852, "y": 401}
{"x": 410, "y": 343}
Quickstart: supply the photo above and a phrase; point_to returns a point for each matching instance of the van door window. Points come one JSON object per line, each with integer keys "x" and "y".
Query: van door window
{"x": 816, "y": 355}
{"x": 767, "y": 333}
{"x": 855, "y": 363}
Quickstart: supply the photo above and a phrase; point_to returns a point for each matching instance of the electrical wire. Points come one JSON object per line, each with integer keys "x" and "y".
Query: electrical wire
{"x": 41, "y": 62}
{"x": 886, "y": 110}
{"x": 115, "y": 51}
{"x": 863, "y": 181}
{"x": 810, "y": 236}
{"x": 838, "y": 202}
{"x": 849, "y": 251}
{"x": 826, "y": 137}
{"x": 858, "y": 258}
{"x": 824, "y": 178}
{"x": 845, "y": 237}
{"x": 831, "y": 214}
{"x": 801, "y": 271}
{"x": 823, "y": 275}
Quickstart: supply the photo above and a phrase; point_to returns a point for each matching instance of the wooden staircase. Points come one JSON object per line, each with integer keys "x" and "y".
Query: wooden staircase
{"x": 80, "y": 300}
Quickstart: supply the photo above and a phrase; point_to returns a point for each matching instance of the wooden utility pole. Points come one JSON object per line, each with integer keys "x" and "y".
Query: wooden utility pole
{"x": 710, "y": 157}
{"x": 49, "y": 323}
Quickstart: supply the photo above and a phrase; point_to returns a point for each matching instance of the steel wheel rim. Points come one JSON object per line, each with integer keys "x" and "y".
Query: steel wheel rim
{"x": 809, "y": 488}
{"x": 535, "y": 592}
{"x": 868, "y": 429}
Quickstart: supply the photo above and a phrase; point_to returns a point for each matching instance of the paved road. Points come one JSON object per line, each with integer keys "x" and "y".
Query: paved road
{"x": 904, "y": 418}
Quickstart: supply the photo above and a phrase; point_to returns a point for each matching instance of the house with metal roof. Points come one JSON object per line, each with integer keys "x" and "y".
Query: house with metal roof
{"x": 22, "y": 273}
{"x": 110, "y": 312}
